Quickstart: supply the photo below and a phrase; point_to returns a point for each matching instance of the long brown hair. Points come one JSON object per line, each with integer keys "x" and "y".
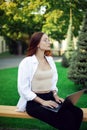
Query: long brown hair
{"x": 34, "y": 41}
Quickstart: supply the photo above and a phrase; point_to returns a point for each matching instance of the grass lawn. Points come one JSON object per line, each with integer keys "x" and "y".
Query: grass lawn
{"x": 9, "y": 96}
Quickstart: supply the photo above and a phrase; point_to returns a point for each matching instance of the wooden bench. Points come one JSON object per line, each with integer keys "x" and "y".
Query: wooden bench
{"x": 10, "y": 111}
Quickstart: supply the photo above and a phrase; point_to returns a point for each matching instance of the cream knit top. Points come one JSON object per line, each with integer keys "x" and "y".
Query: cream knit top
{"x": 42, "y": 80}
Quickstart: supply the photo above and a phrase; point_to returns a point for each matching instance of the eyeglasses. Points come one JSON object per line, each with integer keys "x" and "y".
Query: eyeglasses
{"x": 47, "y": 41}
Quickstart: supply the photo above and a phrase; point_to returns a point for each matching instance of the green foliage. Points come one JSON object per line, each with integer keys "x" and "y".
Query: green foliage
{"x": 25, "y": 17}
{"x": 70, "y": 45}
{"x": 65, "y": 62}
{"x": 78, "y": 66}
{"x": 18, "y": 18}
{"x": 55, "y": 24}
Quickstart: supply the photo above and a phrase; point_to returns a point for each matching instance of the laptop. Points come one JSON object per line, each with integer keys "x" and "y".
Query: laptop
{"x": 72, "y": 98}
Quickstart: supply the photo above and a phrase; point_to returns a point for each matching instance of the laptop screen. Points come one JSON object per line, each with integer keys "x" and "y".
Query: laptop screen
{"x": 75, "y": 96}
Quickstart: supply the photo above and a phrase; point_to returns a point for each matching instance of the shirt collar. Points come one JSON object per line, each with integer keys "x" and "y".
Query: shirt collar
{"x": 34, "y": 59}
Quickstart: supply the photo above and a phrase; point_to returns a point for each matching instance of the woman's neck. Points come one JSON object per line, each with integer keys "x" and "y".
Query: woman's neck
{"x": 40, "y": 55}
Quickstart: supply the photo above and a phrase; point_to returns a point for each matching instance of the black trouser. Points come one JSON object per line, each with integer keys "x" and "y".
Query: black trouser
{"x": 67, "y": 118}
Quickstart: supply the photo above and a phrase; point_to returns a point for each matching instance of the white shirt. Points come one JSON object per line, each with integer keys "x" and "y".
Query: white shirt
{"x": 26, "y": 71}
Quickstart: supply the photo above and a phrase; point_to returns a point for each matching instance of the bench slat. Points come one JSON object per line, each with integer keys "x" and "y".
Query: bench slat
{"x": 84, "y": 114}
{"x": 10, "y": 111}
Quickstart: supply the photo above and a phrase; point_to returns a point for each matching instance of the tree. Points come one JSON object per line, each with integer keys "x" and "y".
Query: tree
{"x": 78, "y": 67}
{"x": 71, "y": 31}
{"x": 18, "y": 22}
{"x": 19, "y": 18}
{"x": 70, "y": 45}
{"x": 57, "y": 17}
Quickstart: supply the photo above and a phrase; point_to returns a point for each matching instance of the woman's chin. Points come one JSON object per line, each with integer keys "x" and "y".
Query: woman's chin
{"x": 48, "y": 49}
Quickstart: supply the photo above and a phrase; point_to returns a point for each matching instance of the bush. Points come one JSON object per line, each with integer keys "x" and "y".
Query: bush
{"x": 65, "y": 62}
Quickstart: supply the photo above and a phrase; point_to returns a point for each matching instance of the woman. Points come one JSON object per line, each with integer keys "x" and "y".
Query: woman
{"x": 37, "y": 79}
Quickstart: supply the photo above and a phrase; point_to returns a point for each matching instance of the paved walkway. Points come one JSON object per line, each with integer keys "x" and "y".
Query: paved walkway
{"x": 10, "y": 61}
{"x": 13, "y": 61}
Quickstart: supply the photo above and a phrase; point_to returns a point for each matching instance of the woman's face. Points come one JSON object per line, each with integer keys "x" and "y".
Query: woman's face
{"x": 44, "y": 43}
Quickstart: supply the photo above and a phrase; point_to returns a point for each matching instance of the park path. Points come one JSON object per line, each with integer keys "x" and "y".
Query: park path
{"x": 10, "y": 61}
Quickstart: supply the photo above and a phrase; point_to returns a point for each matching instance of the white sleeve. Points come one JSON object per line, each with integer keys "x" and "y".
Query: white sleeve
{"x": 24, "y": 84}
{"x": 55, "y": 76}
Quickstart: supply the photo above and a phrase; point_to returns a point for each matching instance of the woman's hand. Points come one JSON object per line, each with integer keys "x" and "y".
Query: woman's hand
{"x": 58, "y": 99}
{"x": 50, "y": 103}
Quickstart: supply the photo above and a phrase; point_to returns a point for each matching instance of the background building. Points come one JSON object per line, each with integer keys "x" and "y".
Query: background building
{"x": 3, "y": 46}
